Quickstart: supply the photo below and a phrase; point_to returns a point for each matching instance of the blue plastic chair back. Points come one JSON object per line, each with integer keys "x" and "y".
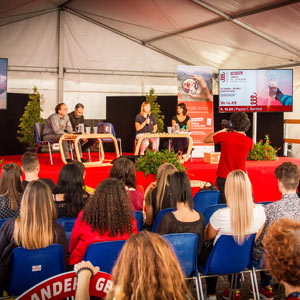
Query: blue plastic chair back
{"x": 67, "y": 223}
{"x": 30, "y": 267}
{"x": 38, "y": 130}
{"x": 204, "y": 199}
{"x": 112, "y": 129}
{"x": 185, "y": 246}
{"x": 228, "y": 257}
{"x": 209, "y": 211}
{"x": 2, "y": 221}
{"x": 159, "y": 216}
{"x": 264, "y": 203}
{"x": 104, "y": 254}
{"x": 139, "y": 219}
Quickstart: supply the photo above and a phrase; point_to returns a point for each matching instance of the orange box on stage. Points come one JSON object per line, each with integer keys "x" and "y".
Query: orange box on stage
{"x": 212, "y": 158}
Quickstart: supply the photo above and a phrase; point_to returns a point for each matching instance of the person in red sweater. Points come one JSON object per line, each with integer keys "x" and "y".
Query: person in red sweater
{"x": 107, "y": 216}
{"x": 235, "y": 146}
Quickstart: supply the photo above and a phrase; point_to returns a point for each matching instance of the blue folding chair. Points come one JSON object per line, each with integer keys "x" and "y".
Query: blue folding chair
{"x": 139, "y": 219}
{"x": 104, "y": 254}
{"x": 105, "y": 127}
{"x": 159, "y": 216}
{"x": 185, "y": 246}
{"x": 67, "y": 223}
{"x": 228, "y": 257}
{"x": 203, "y": 199}
{"x": 209, "y": 211}
{"x": 30, "y": 267}
{"x": 2, "y": 221}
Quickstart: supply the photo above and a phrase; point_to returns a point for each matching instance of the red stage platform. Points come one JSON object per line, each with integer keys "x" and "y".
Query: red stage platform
{"x": 261, "y": 173}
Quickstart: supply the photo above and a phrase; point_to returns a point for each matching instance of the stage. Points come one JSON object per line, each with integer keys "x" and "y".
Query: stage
{"x": 261, "y": 173}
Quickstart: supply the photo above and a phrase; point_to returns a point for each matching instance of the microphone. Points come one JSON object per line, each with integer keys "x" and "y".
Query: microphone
{"x": 148, "y": 116}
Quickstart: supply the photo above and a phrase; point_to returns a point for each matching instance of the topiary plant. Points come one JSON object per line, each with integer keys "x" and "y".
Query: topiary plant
{"x": 150, "y": 162}
{"x": 31, "y": 115}
{"x": 155, "y": 109}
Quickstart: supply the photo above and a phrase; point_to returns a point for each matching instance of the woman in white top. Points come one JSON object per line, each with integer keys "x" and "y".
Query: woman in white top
{"x": 240, "y": 218}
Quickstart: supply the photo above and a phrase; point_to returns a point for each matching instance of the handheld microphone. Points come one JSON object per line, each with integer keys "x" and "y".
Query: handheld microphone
{"x": 148, "y": 116}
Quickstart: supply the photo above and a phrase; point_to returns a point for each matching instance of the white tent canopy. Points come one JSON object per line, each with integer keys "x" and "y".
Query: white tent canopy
{"x": 83, "y": 51}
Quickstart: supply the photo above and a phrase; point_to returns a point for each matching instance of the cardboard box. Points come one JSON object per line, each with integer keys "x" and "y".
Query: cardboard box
{"x": 212, "y": 158}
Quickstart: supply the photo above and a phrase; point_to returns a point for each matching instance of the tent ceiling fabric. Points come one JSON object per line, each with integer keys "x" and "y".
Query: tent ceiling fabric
{"x": 219, "y": 33}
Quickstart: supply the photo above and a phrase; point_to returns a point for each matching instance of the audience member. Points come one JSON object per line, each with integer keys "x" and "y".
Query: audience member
{"x": 31, "y": 168}
{"x": 76, "y": 118}
{"x": 147, "y": 268}
{"x": 235, "y": 146}
{"x": 282, "y": 245}
{"x": 185, "y": 218}
{"x": 11, "y": 190}
{"x": 157, "y": 196}
{"x": 106, "y": 216}
{"x": 240, "y": 218}
{"x": 81, "y": 167}
{"x": 288, "y": 206}
{"x": 34, "y": 228}
{"x": 124, "y": 169}
{"x": 69, "y": 194}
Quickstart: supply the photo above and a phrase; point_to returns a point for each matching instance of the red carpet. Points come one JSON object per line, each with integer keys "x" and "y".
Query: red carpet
{"x": 260, "y": 173}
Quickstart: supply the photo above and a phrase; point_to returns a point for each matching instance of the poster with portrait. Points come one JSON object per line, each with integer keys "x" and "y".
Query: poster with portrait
{"x": 195, "y": 90}
{"x": 3, "y": 83}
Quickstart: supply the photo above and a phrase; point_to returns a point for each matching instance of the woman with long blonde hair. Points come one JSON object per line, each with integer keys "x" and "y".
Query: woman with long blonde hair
{"x": 34, "y": 228}
{"x": 147, "y": 269}
{"x": 157, "y": 196}
{"x": 11, "y": 190}
{"x": 240, "y": 218}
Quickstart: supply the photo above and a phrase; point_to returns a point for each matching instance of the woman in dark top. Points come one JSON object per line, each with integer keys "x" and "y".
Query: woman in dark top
{"x": 69, "y": 194}
{"x": 185, "y": 219}
{"x": 34, "y": 228}
{"x": 11, "y": 190}
{"x": 184, "y": 122}
{"x": 157, "y": 195}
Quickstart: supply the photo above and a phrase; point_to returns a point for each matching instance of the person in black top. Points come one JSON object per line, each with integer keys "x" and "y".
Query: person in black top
{"x": 31, "y": 168}
{"x": 184, "y": 122}
{"x": 76, "y": 118}
{"x": 145, "y": 122}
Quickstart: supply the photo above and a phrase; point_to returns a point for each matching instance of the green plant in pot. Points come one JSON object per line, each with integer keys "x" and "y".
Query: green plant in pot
{"x": 31, "y": 115}
{"x": 150, "y": 162}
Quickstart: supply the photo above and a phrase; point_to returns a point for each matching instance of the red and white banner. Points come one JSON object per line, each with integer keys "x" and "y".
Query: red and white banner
{"x": 64, "y": 285}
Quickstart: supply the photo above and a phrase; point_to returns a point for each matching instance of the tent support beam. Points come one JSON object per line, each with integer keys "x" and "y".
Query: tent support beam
{"x": 133, "y": 39}
{"x": 223, "y": 17}
{"x": 60, "y": 79}
{"x": 251, "y": 29}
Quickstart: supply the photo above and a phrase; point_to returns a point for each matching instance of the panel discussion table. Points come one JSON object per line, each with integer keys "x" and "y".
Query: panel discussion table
{"x": 166, "y": 135}
{"x": 75, "y": 139}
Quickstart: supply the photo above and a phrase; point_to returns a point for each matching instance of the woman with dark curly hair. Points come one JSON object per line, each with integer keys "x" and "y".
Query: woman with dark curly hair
{"x": 107, "y": 216}
{"x": 124, "y": 169}
{"x": 69, "y": 194}
{"x": 147, "y": 268}
{"x": 11, "y": 190}
{"x": 282, "y": 245}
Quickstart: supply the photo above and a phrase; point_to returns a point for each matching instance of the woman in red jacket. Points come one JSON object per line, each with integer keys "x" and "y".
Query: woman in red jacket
{"x": 107, "y": 216}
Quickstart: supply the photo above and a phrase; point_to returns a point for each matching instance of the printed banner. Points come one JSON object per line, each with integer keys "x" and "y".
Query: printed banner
{"x": 195, "y": 90}
{"x": 64, "y": 285}
{"x": 3, "y": 83}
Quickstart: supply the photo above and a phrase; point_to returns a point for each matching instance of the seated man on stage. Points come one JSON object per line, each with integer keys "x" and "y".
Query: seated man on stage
{"x": 145, "y": 122}
{"x": 76, "y": 118}
{"x": 235, "y": 146}
{"x": 58, "y": 124}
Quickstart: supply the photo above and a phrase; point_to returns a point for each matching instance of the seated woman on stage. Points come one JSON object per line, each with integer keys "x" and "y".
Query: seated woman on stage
{"x": 34, "y": 228}
{"x": 157, "y": 194}
{"x": 124, "y": 170}
{"x": 107, "y": 216}
{"x": 240, "y": 218}
{"x": 69, "y": 194}
{"x": 11, "y": 190}
{"x": 184, "y": 122}
{"x": 185, "y": 219}
{"x": 145, "y": 122}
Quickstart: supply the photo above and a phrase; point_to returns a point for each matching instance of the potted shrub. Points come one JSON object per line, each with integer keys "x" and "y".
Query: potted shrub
{"x": 31, "y": 115}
